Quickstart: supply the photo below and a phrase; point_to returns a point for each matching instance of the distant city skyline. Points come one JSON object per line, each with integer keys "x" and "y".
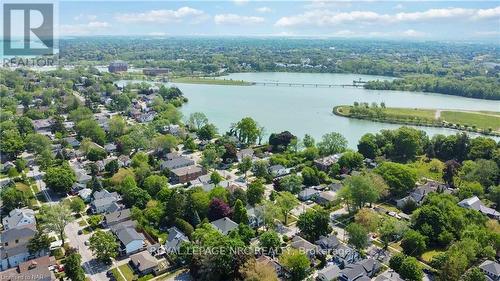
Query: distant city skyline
{"x": 432, "y": 20}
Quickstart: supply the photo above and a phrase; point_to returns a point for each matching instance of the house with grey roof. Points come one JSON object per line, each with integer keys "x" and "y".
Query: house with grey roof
{"x": 131, "y": 241}
{"x": 308, "y": 194}
{"x": 491, "y": 270}
{"x": 363, "y": 269}
{"x": 326, "y": 197}
{"x": 143, "y": 263}
{"x": 85, "y": 194}
{"x": 14, "y": 243}
{"x": 345, "y": 255}
{"x": 328, "y": 242}
{"x": 224, "y": 225}
{"x": 35, "y": 269}
{"x": 247, "y": 152}
{"x": 176, "y": 163}
{"x": 19, "y": 217}
{"x": 174, "y": 240}
{"x": 105, "y": 202}
{"x": 389, "y": 275}
{"x": 475, "y": 204}
{"x": 329, "y": 273}
{"x": 303, "y": 245}
{"x": 117, "y": 217}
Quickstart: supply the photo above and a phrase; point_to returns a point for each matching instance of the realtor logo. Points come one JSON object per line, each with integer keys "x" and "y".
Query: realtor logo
{"x": 34, "y": 22}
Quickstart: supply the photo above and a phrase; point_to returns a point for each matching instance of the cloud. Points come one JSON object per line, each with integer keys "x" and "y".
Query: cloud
{"x": 157, "y": 34}
{"x": 93, "y": 27}
{"x": 83, "y": 17}
{"x": 329, "y": 18}
{"x": 160, "y": 16}
{"x": 240, "y": 2}
{"x": 264, "y": 10}
{"x": 237, "y": 19}
{"x": 399, "y": 6}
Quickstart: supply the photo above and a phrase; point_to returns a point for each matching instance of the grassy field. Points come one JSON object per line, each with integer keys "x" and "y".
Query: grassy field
{"x": 480, "y": 120}
{"x": 413, "y": 112}
{"x": 427, "y": 256}
{"x": 210, "y": 81}
{"x": 126, "y": 271}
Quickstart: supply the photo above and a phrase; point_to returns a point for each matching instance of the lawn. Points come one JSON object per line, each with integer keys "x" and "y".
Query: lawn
{"x": 127, "y": 272}
{"x": 470, "y": 119}
{"x": 427, "y": 256}
{"x": 212, "y": 81}
{"x": 413, "y": 112}
{"x": 432, "y": 170}
{"x": 117, "y": 275}
{"x": 23, "y": 187}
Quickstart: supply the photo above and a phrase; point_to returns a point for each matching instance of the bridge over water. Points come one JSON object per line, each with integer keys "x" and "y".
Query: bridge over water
{"x": 355, "y": 84}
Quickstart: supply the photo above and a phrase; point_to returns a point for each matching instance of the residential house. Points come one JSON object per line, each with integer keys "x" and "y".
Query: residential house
{"x": 118, "y": 66}
{"x": 326, "y": 197}
{"x": 35, "y": 269}
{"x": 345, "y": 255}
{"x": 124, "y": 161}
{"x": 85, "y": 194}
{"x": 389, "y": 275}
{"x": 201, "y": 180}
{"x": 19, "y": 217}
{"x": 72, "y": 141}
{"x": 247, "y": 152}
{"x": 362, "y": 269}
{"x": 224, "y": 225}
{"x": 491, "y": 269}
{"x": 105, "y": 202}
{"x": 110, "y": 147}
{"x": 475, "y": 204}
{"x": 326, "y": 163}
{"x": 308, "y": 194}
{"x": 419, "y": 194}
{"x": 143, "y": 263}
{"x": 279, "y": 171}
{"x": 174, "y": 240}
{"x": 15, "y": 242}
{"x": 176, "y": 163}
{"x": 117, "y": 217}
{"x": 329, "y": 273}
{"x": 173, "y": 129}
{"x": 42, "y": 125}
{"x": 265, "y": 260}
{"x": 185, "y": 174}
{"x": 328, "y": 243}
{"x": 255, "y": 216}
{"x": 7, "y": 166}
{"x": 303, "y": 245}
{"x": 131, "y": 241}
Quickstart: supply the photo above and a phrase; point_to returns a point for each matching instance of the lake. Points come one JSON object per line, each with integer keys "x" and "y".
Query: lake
{"x": 308, "y": 110}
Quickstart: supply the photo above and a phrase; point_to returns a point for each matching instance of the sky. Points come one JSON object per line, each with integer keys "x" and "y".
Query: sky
{"x": 422, "y": 20}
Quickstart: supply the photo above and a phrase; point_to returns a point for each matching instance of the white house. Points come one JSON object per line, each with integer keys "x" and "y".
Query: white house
{"x": 19, "y": 217}
{"x": 131, "y": 240}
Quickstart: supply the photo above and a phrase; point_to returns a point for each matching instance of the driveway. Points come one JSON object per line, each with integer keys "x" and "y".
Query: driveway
{"x": 94, "y": 269}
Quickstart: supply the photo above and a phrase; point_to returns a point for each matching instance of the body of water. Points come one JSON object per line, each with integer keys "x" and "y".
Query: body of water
{"x": 308, "y": 110}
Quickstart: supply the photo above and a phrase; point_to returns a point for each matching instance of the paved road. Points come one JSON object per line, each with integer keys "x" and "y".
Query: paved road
{"x": 95, "y": 270}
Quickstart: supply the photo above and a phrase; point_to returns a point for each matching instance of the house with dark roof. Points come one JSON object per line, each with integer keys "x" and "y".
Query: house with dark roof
{"x": 362, "y": 269}
{"x": 389, "y": 275}
{"x": 224, "y": 225}
{"x": 303, "y": 245}
{"x": 131, "y": 241}
{"x": 475, "y": 204}
{"x": 345, "y": 255}
{"x": 326, "y": 197}
{"x": 19, "y": 217}
{"x": 105, "y": 202}
{"x": 14, "y": 243}
{"x": 35, "y": 269}
{"x": 308, "y": 194}
{"x": 175, "y": 239}
{"x": 329, "y": 242}
{"x": 491, "y": 270}
{"x": 185, "y": 174}
{"x": 419, "y": 194}
{"x": 329, "y": 273}
{"x": 247, "y": 152}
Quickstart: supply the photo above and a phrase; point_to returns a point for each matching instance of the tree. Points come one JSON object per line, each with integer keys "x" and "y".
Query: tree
{"x": 120, "y": 102}
{"x": 38, "y": 143}
{"x": 482, "y": 148}
{"x": 90, "y": 129}
{"x": 245, "y": 165}
{"x": 255, "y": 192}
{"x": 400, "y": 178}
{"x": 96, "y": 154}
{"x": 13, "y": 198}
{"x": 135, "y": 197}
{"x": 391, "y": 230}
{"x": 11, "y": 143}
{"x": 411, "y": 269}
{"x": 56, "y": 217}
{"x": 60, "y": 178}
{"x": 286, "y": 201}
{"x": 351, "y": 160}
{"x": 474, "y": 274}
{"x": 154, "y": 183}
{"x": 104, "y": 245}
{"x": 247, "y": 130}
{"x": 368, "y": 218}
{"x": 313, "y": 224}
{"x": 258, "y": 271}
{"x": 296, "y": 263}
{"x": 270, "y": 241}
{"x": 77, "y": 205}
{"x": 39, "y": 243}
{"x": 396, "y": 261}
{"x": 73, "y": 267}
{"x": 367, "y": 146}
{"x": 310, "y": 176}
{"x": 240, "y": 213}
{"x": 163, "y": 144}
{"x": 218, "y": 209}
{"x": 483, "y": 171}
{"x": 413, "y": 243}
{"x": 451, "y": 168}
{"x": 207, "y": 132}
{"x": 117, "y": 127}
{"x": 216, "y": 178}
{"x": 291, "y": 183}
{"x": 361, "y": 190}
{"x": 280, "y": 142}
{"x": 332, "y": 143}
{"x": 197, "y": 120}
{"x": 406, "y": 144}
{"x": 308, "y": 141}
{"x": 358, "y": 236}
{"x": 210, "y": 158}
{"x": 260, "y": 168}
